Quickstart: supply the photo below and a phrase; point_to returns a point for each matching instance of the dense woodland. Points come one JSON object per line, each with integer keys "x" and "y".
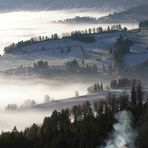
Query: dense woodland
{"x": 83, "y": 126}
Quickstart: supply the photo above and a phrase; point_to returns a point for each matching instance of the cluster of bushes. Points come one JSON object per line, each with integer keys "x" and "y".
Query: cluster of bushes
{"x": 79, "y": 19}
{"x": 97, "y": 87}
{"x": 74, "y": 67}
{"x": 40, "y": 66}
{"x": 82, "y": 37}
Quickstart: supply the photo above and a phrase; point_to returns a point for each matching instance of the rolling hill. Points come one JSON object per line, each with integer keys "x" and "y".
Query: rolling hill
{"x": 132, "y": 15}
{"x": 55, "y": 52}
{"x": 51, "y": 51}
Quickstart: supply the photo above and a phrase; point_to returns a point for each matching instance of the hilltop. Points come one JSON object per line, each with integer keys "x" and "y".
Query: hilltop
{"x": 131, "y": 15}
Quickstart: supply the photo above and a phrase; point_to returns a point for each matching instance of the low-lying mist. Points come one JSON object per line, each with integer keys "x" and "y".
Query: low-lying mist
{"x": 16, "y": 91}
{"x": 21, "y": 119}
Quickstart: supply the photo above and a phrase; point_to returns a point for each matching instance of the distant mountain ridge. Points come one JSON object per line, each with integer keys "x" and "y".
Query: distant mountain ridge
{"x": 10, "y": 5}
{"x": 135, "y": 14}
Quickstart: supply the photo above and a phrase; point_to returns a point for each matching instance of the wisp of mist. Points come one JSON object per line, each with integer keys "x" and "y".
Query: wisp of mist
{"x": 123, "y": 135}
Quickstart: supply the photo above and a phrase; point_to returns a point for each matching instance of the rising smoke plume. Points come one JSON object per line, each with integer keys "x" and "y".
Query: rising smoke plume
{"x": 123, "y": 135}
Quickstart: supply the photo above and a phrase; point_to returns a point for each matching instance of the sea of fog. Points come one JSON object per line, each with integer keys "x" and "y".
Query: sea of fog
{"x": 18, "y": 91}
{"x": 22, "y": 25}
{"x": 16, "y": 26}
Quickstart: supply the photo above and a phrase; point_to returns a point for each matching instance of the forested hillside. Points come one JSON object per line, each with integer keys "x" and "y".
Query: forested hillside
{"x": 83, "y": 126}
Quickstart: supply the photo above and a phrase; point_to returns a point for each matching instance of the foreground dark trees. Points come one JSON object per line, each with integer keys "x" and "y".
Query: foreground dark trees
{"x": 82, "y": 126}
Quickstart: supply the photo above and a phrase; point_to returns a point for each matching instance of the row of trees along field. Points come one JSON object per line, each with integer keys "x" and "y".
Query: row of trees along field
{"x": 41, "y": 68}
{"x": 83, "y": 126}
{"x": 83, "y": 36}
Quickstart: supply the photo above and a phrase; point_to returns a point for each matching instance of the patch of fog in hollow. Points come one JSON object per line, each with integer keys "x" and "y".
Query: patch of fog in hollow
{"x": 15, "y": 91}
{"x": 23, "y": 25}
{"x": 21, "y": 119}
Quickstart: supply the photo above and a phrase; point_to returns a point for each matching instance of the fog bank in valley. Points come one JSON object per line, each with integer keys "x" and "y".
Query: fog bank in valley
{"x": 20, "y": 119}
{"x": 16, "y": 91}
